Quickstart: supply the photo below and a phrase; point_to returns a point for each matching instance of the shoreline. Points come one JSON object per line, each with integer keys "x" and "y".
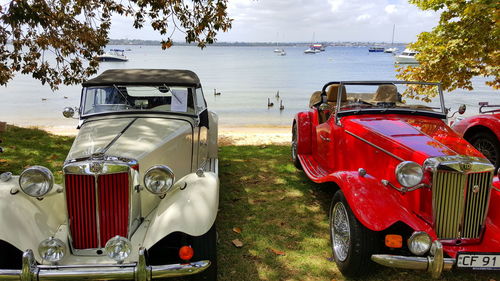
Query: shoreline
{"x": 228, "y": 135}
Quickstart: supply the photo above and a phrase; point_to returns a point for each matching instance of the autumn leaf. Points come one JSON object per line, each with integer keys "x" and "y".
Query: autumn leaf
{"x": 237, "y": 243}
{"x": 237, "y": 230}
{"x": 277, "y": 252}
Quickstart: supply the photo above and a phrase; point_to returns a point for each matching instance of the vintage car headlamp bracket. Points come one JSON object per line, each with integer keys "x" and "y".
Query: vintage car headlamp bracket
{"x": 159, "y": 179}
{"x": 36, "y": 181}
{"x": 403, "y": 189}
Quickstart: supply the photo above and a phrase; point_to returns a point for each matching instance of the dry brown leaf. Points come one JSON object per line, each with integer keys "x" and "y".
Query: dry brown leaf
{"x": 237, "y": 229}
{"x": 237, "y": 243}
{"x": 277, "y": 252}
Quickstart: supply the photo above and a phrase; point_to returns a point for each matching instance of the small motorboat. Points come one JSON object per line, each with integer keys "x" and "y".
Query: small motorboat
{"x": 406, "y": 57}
{"x": 113, "y": 55}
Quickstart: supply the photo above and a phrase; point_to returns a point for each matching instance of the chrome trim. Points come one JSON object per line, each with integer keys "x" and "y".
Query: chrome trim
{"x": 47, "y": 175}
{"x": 374, "y": 145}
{"x": 400, "y": 166}
{"x": 133, "y": 271}
{"x": 452, "y": 163}
{"x": 404, "y": 189}
{"x": 109, "y": 165}
{"x": 324, "y": 138}
{"x": 163, "y": 168}
{"x": 453, "y": 180}
{"x": 361, "y": 172}
{"x": 434, "y": 264}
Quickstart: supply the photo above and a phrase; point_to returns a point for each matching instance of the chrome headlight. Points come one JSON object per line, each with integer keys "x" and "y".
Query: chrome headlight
{"x": 52, "y": 249}
{"x": 409, "y": 173}
{"x": 419, "y": 243}
{"x": 118, "y": 248}
{"x": 36, "y": 181}
{"x": 159, "y": 179}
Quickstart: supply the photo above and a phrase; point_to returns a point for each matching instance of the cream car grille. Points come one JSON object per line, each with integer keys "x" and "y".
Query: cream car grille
{"x": 460, "y": 203}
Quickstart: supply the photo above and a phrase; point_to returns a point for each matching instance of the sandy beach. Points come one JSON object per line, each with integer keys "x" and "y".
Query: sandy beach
{"x": 243, "y": 135}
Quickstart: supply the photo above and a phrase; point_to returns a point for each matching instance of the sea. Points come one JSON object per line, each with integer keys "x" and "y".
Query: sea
{"x": 245, "y": 77}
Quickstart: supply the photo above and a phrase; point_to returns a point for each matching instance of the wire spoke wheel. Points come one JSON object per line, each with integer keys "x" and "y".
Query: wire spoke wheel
{"x": 340, "y": 231}
{"x": 487, "y": 148}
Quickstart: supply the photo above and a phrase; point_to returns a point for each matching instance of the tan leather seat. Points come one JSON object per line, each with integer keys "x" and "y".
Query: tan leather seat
{"x": 386, "y": 93}
{"x": 315, "y": 99}
{"x": 332, "y": 93}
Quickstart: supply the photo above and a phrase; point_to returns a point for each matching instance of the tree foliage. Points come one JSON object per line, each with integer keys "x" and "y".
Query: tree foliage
{"x": 464, "y": 44}
{"x": 75, "y": 31}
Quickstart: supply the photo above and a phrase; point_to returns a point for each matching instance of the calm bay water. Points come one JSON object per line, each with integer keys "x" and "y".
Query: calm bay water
{"x": 245, "y": 76}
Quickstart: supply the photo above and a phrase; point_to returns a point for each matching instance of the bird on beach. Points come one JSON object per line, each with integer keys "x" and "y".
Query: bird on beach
{"x": 269, "y": 103}
{"x": 216, "y": 93}
{"x": 281, "y": 105}
{"x": 278, "y": 94}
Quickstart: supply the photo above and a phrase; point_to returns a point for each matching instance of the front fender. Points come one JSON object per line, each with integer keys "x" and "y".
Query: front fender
{"x": 190, "y": 208}
{"x": 376, "y": 206}
{"x": 304, "y": 132}
{"x": 26, "y": 221}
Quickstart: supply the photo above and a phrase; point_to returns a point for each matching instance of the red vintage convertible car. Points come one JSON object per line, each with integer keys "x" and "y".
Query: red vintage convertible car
{"x": 411, "y": 192}
{"x": 483, "y": 131}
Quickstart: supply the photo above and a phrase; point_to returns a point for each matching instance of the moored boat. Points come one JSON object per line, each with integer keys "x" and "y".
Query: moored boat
{"x": 113, "y": 55}
{"x": 406, "y": 57}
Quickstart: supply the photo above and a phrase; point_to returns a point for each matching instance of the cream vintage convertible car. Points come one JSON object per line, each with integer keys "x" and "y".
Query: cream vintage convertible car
{"x": 140, "y": 192}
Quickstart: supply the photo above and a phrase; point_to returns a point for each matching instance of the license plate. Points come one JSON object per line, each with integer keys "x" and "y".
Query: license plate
{"x": 478, "y": 261}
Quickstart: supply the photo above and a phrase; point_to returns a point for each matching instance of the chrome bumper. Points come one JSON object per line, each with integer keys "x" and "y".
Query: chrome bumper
{"x": 434, "y": 264}
{"x": 135, "y": 271}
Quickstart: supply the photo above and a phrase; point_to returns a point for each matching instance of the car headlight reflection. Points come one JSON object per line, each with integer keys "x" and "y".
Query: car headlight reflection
{"x": 419, "y": 243}
{"x": 409, "y": 173}
{"x": 159, "y": 179}
{"x": 36, "y": 181}
{"x": 52, "y": 249}
{"x": 118, "y": 248}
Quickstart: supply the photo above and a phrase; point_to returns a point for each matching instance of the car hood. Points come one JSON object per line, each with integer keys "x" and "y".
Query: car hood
{"x": 409, "y": 137}
{"x": 132, "y": 138}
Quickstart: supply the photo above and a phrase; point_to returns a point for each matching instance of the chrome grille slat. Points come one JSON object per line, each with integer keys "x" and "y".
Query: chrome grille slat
{"x": 459, "y": 212}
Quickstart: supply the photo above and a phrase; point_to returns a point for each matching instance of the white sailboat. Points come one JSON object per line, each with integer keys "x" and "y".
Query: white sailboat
{"x": 392, "y": 49}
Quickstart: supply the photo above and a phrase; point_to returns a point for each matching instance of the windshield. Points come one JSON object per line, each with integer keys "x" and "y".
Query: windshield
{"x": 137, "y": 98}
{"x": 388, "y": 97}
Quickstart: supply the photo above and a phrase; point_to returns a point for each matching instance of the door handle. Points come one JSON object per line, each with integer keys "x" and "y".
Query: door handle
{"x": 324, "y": 138}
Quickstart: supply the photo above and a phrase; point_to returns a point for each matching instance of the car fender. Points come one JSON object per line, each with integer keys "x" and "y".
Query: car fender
{"x": 191, "y": 207}
{"x": 304, "y": 132}
{"x": 213, "y": 147}
{"x": 376, "y": 206}
{"x": 27, "y": 221}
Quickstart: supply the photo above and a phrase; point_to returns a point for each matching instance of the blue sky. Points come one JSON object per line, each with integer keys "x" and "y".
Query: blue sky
{"x": 298, "y": 20}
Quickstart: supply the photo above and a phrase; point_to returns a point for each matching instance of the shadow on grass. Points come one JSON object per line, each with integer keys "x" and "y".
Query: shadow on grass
{"x": 284, "y": 222}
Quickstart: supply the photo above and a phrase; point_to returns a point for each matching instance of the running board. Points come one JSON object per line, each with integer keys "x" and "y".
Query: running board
{"x": 313, "y": 170}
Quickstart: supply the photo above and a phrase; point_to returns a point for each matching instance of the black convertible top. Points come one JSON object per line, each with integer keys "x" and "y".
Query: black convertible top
{"x": 144, "y": 77}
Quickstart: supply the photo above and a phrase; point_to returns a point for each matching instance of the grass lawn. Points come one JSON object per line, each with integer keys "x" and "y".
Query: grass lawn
{"x": 281, "y": 216}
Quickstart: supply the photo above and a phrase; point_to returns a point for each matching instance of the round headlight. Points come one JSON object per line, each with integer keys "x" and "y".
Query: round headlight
{"x": 409, "y": 173}
{"x": 36, "y": 181}
{"x": 419, "y": 243}
{"x": 52, "y": 249}
{"x": 159, "y": 179}
{"x": 118, "y": 248}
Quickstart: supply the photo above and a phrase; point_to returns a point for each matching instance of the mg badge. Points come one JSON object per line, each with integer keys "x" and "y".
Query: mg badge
{"x": 95, "y": 167}
{"x": 466, "y": 166}
{"x": 475, "y": 188}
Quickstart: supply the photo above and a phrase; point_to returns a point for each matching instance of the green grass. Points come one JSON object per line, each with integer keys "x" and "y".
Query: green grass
{"x": 27, "y": 147}
{"x": 276, "y": 206}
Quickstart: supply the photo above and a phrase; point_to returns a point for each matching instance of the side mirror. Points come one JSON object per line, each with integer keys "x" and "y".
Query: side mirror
{"x": 462, "y": 108}
{"x": 68, "y": 112}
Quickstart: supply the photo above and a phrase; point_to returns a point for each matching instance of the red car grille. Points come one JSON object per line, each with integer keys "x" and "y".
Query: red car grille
{"x": 113, "y": 196}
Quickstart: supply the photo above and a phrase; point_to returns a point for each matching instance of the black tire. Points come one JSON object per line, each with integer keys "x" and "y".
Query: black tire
{"x": 488, "y": 145}
{"x": 205, "y": 248}
{"x": 355, "y": 261}
{"x": 295, "y": 158}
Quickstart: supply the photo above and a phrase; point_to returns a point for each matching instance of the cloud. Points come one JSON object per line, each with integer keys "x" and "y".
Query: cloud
{"x": 329, "y": 20}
